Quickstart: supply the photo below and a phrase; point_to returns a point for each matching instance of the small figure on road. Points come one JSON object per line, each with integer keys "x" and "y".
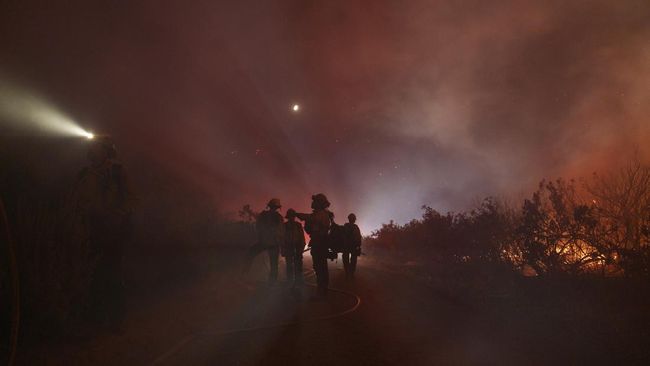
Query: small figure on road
{"x": 352, "y": 246}
{"x": 270, "y": 235}
{"x": 317, "y": 225}
{"x": 105, "y": 203}
{"x": 294, "y": 245}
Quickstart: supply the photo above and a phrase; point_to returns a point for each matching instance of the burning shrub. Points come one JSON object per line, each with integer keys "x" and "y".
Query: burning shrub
{"x": 560, "y": 230}
{"x": 555, "y": 231}
{"x": 621, "y": 202}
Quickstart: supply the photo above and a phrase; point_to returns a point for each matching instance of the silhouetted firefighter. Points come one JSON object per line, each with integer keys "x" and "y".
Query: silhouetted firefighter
{"x": 270, "y": 235}
{"x": 351, "y": 246}
{"x": 294, "y": 245}
{"x": 335, "y": 239}
{"x": 104, "y": 200}
{"x": 317, "y": 225}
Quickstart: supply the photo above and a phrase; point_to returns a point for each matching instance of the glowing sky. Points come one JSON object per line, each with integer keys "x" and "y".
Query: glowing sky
{"x": 400, "y": 103}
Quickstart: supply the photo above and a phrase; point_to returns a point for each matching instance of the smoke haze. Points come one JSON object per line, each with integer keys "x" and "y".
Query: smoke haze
{"x": 402, "y": 103}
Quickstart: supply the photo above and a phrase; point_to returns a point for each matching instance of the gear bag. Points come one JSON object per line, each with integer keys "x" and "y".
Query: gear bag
{"x": 336, "y": 238}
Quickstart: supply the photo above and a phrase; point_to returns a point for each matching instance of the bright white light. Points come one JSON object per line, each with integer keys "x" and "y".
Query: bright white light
{"x": 26, "y": 110}
{"x": 90, "y": 135}
{"x": 295, "y": 107}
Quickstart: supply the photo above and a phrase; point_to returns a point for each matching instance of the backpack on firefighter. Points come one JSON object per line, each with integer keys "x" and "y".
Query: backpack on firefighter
{"x": 336, "y": 238}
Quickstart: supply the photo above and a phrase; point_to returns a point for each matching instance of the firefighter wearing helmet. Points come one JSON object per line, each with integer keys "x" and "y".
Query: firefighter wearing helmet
{"x": 317, "y": 225}
{"x": 351, "y": 246}
{"x": 270, "y": 236}
{"x": 294, "y": 245}
{"x": 104, "y": 203}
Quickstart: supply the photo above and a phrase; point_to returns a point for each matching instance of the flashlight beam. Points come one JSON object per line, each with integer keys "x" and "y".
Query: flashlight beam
{"x": 25, "y": 110}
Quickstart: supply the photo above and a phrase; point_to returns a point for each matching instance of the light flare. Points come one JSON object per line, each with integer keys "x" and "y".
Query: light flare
{"x": 24, "y": 110}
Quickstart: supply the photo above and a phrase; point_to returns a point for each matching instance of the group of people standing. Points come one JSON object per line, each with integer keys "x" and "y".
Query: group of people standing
{"x": 278, "y": 237}
{"x": 103, "y": 203}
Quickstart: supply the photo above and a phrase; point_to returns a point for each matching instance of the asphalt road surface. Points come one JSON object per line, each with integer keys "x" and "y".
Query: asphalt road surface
{"x": 382, "y": 317}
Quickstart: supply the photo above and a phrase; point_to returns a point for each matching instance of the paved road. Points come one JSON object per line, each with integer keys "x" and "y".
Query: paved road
{"x": 399, "y": 322}
{"x": 224, "y": 320}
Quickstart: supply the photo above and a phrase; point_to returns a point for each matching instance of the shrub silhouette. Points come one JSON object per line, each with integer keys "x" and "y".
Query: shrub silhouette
{"x": 564, "y": 229}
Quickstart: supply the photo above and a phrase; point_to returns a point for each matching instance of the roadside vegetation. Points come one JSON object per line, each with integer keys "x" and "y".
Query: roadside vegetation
{"x": 595, "y": 227}
{"x": 569, "y": 266}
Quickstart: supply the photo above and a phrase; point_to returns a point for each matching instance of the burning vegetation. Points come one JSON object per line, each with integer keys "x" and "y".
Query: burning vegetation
{"x": 599, "y": 226}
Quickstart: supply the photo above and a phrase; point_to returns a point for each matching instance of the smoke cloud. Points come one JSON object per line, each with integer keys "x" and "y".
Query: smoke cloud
{"x": 402, "y": 103}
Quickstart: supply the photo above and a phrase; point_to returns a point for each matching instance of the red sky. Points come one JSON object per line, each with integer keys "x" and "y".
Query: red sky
{"x": 402, "y": 103}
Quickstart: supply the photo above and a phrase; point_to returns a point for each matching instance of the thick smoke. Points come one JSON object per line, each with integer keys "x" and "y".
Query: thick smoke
{"x": 403, "y": 103}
